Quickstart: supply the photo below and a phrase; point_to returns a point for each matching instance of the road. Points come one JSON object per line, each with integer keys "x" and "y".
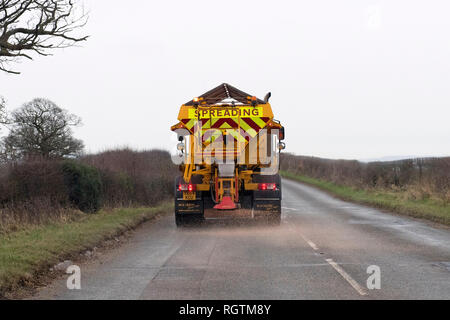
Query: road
{"x": 321, "y": 251}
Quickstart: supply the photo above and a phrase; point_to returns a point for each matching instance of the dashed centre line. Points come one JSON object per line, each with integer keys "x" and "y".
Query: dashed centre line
{"x": 338, "y": 268}
{"x": 347, "y": 277}
{"x": 312, "y": 245}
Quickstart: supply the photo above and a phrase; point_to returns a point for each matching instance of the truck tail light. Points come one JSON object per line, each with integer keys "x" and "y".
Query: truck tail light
{"x": 267, "y": 186}
{"x": 187, "y": 187}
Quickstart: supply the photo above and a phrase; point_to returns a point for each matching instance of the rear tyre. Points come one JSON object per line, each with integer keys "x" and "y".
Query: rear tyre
{"x": 178, "y": 220}
{"x": 187, "y": 220}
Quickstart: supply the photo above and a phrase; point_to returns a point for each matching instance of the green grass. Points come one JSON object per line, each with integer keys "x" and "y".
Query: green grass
{"x": 398, "y": 202}
{"x": 25, "y": 253}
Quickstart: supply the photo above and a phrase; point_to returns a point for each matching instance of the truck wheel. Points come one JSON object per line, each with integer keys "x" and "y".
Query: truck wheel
{"x": 187, "y": 220}
{"x": 178, "y": 220}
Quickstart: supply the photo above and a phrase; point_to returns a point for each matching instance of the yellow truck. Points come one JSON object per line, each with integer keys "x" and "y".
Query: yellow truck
{"x": 228, "y": 156}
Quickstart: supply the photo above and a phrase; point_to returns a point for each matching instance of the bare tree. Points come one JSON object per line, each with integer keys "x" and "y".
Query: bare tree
{"x": 41, "y": 128}
{"x": 37, "y": 26}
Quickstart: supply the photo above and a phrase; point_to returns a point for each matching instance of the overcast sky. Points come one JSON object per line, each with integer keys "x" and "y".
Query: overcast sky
{"x": 349, "y": 79}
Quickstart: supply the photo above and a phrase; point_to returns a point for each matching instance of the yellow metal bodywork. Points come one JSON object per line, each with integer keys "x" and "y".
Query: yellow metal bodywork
{"x": 233, "y": 121}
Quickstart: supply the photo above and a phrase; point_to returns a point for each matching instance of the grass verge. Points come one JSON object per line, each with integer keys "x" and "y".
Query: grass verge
{"x": 429, "y": 209}
{"x": 25, "y": 253}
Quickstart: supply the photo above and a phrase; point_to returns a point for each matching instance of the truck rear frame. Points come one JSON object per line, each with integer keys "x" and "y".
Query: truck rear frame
{"x": 229, "y": 144}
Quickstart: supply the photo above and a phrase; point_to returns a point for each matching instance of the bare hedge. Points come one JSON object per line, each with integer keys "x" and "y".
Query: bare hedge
{"x": 38, "y": 190}
{"x": 423, "y": 177}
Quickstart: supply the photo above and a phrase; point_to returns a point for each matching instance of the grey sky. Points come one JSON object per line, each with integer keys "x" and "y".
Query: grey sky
{"x": 349, "y": 79}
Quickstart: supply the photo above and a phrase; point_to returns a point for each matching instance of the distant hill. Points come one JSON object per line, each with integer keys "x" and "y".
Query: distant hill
{"x": 396, "y": 158}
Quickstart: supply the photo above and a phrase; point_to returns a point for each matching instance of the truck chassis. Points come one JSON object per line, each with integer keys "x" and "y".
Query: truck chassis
{"x": 229, "y": 150}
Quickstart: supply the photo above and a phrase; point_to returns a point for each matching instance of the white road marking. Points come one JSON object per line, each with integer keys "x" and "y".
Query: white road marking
{"x": 312, "y": 245}
{"x": 309, "y": 242}
{"x": 347, "y": 277}
{"x": 341, "y": 271}
{"x": 287, "y": 208}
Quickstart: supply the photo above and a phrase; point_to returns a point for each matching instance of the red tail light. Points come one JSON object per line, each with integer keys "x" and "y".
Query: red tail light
{"x": 187, "y": 187}
{"x": 267, "y": 186}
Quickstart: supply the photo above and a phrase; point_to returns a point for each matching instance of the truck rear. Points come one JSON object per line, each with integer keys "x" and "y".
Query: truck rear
{"x": 228, "y": 155}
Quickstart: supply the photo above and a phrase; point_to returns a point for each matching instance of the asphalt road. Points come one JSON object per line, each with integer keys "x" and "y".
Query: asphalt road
{"x": 321, "y": 251}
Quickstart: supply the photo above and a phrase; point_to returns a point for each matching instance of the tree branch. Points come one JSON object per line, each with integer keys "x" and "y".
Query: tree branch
{"x": 37, "y": 26}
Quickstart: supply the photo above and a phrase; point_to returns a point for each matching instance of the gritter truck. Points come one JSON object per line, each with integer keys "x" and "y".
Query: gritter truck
{"x": 228, "y": 155}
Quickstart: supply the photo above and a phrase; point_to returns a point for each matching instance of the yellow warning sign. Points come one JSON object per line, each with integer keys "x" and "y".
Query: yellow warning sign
{"x": 218, "y": 113}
